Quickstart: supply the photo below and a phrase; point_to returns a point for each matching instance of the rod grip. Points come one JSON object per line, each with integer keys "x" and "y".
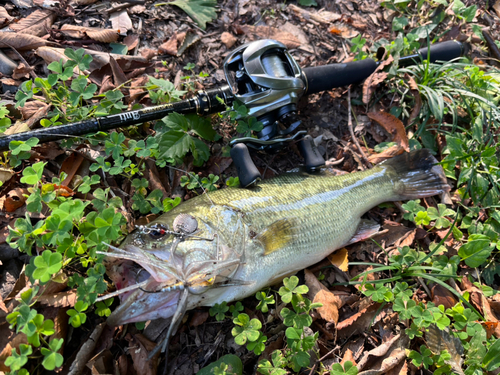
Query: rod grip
{"x": 444, "y": 51}
{"x": 327, "y": 77}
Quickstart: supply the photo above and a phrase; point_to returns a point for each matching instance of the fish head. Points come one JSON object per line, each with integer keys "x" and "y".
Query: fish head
{"x": 156, "y": 262}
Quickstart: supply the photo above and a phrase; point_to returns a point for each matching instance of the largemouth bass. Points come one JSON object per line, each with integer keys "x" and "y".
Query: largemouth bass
{"x": 231, "y": 243}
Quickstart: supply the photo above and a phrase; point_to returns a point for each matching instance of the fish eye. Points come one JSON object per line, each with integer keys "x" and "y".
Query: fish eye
{"x": 157, "y": 231}
{"x": 185, "y": 223}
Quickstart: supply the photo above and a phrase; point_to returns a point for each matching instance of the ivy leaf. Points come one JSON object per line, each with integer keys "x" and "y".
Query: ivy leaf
{"x": 201, "y": 11}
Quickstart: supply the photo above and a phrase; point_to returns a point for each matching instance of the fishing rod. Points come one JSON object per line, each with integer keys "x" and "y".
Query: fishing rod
{"x": 264, "y": 77}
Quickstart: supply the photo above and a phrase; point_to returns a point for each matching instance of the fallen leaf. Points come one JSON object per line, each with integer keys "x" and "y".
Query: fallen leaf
{"x": 70, "y": 166}
{"x": 21, "y": 71}
{"x": 340, "y": 259}
{"x": 20, "y": 42}
{"x": 121, "y": 21}
{"x": 169, "y": 47}
{"x": 385, "y": 357}
{"x": 62, "y": 299}
{"x": 30, "y": 108}
{"x": 131, "y": 41}
{"x": 15, "y": 199}
{"x": 442, "y": 296}
{"x": 5, "y": 17}
{"x": 394, "y": 126}
{"x": 9, "y": 341}
{"x": 348, "y": 356}
{"x": 141, "y": 348}
{"x": 496, "y": 8}
{"x": 85, "y": 2}
{"x": 37, "y": 23}
{"x": 5, "y": 174}
{"x": 401, "y": 369}
{"x": 439, "y": 340}
{"x": 490, "y": 328}
{"x": 198, "y": 318}
{"x": 377, "y": 77}
{"x": 386, "y": 154}
{"x": 119, "y": 77}
{"x": 269, "y": 32}
{"x": 228, "y": 39}
{"x": 343, "y": 30}
{"x": 359, "y": 322}
{"x": 96, "y": 33}
{"x": 217, "y": 164}
{"x": 318, "y": 293}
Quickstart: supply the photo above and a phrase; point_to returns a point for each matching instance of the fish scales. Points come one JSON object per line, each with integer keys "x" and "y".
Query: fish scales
{"x": 248, "y": 239}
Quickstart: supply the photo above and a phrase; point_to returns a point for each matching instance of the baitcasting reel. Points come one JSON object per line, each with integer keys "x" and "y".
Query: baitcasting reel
{"x": 264, "y": 77}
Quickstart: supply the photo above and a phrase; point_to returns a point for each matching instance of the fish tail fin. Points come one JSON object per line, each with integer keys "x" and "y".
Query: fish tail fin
{"x": 416, "y": 175}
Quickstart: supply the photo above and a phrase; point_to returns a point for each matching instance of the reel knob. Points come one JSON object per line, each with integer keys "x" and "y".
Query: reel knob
{"x": 248, "y": 173}
{"x": 312, "y": 158}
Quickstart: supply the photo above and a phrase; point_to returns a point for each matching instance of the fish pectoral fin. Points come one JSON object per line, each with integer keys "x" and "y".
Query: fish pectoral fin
{"x": 366, "y": 229}
{"x": 278, "y": 235}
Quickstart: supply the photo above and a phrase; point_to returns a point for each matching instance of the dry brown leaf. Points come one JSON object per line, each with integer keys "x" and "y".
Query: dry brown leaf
{"x": 348, "y": 356}
{"x": 21, "y": 71}
{"x": 198, "y": 318}
{"x": 21, "y": 42}
{"x": 438, "y": 341}
{"x": 63, "y": 299}
{"x": 30, "y": 108}
{"x": 359, "y": 322}
{"x": 496, "y": 8}
{"x": 169, "y": 47}
{"x": 141, "y": 348}
{"x": 269, "y": 32}
{"x": 37, "y": 23}
{"x": 6, "y": 174}
{"x": 374, "y": 79}
{"x": 343, "y": 30}
{"x": 131, "y": 41}
{"x": 318, "y": 293}
{"x": 121, "y": 21}
{"x": 119, "y": 77}
{"x": 340, "y": 259}
{"x": 15, "y": 199}
{"x": 187, "y": 41}
{"x": 228, "y": 39}
{"x": 394, "y": 126}
{"x": 386, "y": 154}
{"x": 442, "y": 296}
{"x": 5, "y": 17}
{"x": 96, "y": 33}
{"x": 401, "y": 369}
{"x": 385, "y": 357}
{"x": 9, "y": 342}
{"x": 70, "y": 166}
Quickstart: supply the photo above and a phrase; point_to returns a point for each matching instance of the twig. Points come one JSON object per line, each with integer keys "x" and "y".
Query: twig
{"x": 351, "y": 130}
{"x": 323, "y": 358}
{"x": 32, "y": 73}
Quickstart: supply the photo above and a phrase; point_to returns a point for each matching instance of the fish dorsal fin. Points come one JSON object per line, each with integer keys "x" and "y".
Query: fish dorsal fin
{"x": 278, "y": 235}
{"x": 366, "y": 229}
